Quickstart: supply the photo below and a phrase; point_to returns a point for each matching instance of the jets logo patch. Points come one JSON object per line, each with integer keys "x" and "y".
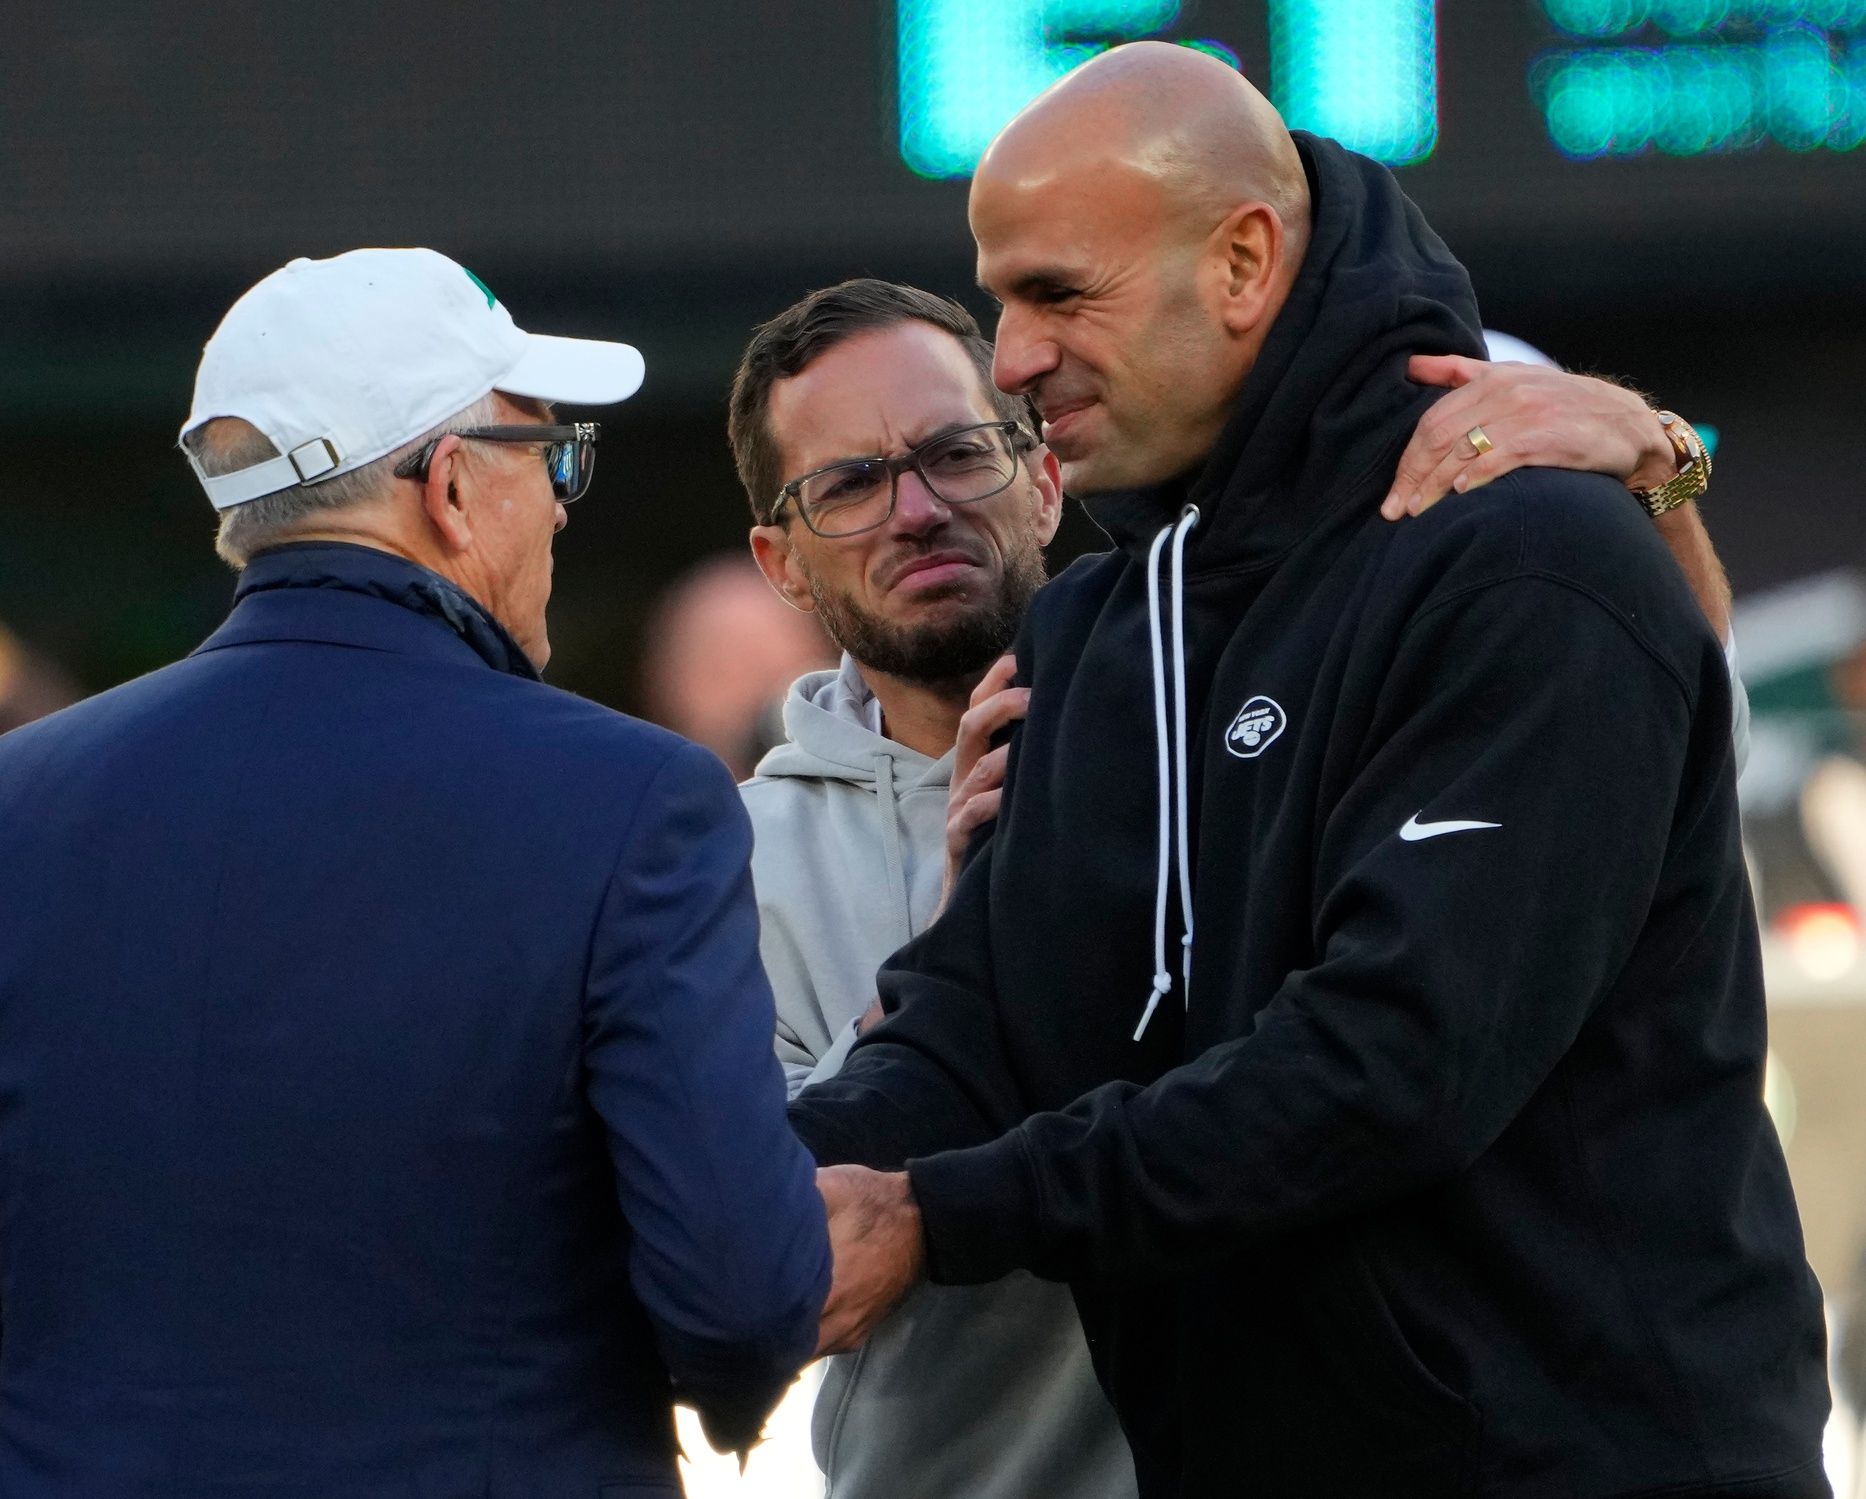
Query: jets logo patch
{"x": 1255, "y": 728}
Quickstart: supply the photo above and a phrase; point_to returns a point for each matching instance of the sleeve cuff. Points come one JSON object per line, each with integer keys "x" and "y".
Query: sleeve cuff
{"x": 830, "y": 1063}
{"x": 978, "y": 1210}
{"x": 826, "y": 1144}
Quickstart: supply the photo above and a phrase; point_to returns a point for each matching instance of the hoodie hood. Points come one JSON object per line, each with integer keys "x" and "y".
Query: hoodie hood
{"x": 1327, "y": 407}
{"x": 830, "y": 724}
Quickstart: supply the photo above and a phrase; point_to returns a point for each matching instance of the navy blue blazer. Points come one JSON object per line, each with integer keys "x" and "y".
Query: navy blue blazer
{"x": 387, "y": 1098}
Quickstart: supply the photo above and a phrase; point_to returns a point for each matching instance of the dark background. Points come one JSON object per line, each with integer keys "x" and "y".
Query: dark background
{"x": 672, "y": 173}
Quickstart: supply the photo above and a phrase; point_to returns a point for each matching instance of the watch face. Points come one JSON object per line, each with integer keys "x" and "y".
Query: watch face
{"x": 1685, "y": 440}
{"x": 1693, "y": 476}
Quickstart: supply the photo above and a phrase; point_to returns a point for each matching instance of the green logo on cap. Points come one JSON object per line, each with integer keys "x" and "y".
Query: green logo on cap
{"x": 490, "y": 298}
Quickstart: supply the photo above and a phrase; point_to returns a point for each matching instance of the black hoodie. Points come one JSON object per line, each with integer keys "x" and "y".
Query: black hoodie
{"x": 1449, "y": 1174}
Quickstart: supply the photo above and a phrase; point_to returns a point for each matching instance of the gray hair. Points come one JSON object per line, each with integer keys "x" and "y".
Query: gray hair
{"x": 227, "y": 444}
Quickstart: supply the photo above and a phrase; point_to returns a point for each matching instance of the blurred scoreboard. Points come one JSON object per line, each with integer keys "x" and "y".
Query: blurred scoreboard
{"x": 138, "y": 138}
{"x": 1363, "y": 71}
{"x": 1617, "y": 78}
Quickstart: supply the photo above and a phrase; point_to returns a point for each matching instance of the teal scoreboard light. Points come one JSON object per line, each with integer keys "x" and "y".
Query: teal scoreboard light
{"x": 1363, "y": 71}
{"x": 1686, "y": 77}
{"x": 1618, "y": 78}
{"x": 967, "y": 66}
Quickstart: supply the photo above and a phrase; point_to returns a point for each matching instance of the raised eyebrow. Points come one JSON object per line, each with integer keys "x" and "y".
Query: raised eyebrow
{"x": 946, "y": 430}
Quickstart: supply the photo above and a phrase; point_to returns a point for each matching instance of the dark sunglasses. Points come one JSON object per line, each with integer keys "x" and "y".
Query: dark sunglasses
{"x": 569, "y": 453}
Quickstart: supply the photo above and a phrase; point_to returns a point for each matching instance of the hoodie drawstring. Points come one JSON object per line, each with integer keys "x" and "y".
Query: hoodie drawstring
{"x": 891, "y": 842}
{"x": 1170, "y": 743}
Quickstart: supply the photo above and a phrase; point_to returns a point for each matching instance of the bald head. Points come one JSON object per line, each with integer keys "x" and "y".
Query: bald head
{"x": 1141, "y": 222}
{"x": 1151, "y": 113}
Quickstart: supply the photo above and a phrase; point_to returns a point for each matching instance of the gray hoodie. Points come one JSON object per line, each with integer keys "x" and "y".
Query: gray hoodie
{"x": 981, "y": 1391}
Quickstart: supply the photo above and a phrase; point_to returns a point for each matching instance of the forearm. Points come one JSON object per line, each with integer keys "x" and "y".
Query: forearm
{"x": 1682, "y": 527}
{"x": 678, "y": 1065}
{"x": 1683, "y": 532}
{"x": 888, "y": 1103}
{"x": 932, "y": 1074}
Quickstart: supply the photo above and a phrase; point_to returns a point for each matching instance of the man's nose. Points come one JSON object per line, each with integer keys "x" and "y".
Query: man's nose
{"x": 1022, "y": 355}
{"x": 917, "y": 509}
{"x": 563, "y": 518}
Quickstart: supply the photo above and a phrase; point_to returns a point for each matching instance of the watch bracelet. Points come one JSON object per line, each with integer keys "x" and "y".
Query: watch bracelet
{"x": 1691, "y": 481}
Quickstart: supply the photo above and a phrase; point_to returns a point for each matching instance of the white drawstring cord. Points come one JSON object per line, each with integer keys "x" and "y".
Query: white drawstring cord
{"x": 1187, "y": 522}
{"x": 1162, "y": 980}
{"x": 1170, "y": 756}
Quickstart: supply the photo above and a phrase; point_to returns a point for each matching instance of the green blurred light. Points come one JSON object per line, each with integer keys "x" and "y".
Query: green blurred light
{"x": 1580, "y": 111}
{"x": 967, "y": 66}
{"x": 1689, "y": 17}
{"x": 1362, "y": 71}
{"x": 1683, "y": 125}
{"x": 1793, "y": 86}
{"x": 1849, "y": 130}
{"x": 1797, "y": 87}
{"x": 1596, "y": 17}
{"x": 1829, "y": 15}
{"x": 1621, "y": 18}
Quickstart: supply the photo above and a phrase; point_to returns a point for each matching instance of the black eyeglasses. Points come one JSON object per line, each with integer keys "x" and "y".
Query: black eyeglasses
{"x": 959, "y": 467}
{"x": 569, "y": 453}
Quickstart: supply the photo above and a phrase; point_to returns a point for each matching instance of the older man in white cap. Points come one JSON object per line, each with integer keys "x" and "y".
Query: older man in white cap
{"x": 379, "y": 1027}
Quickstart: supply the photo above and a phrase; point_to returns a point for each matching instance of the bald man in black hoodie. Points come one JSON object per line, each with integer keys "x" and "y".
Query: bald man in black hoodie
{"x": 1358, "y": 1002}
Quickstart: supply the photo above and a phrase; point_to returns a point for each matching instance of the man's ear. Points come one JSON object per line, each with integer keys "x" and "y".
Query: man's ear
{"x": 1049, "y": 482}
{"x": 441, "y": 498}
{"x": 778, "y": 562}
{"x": 1245, "y": 251}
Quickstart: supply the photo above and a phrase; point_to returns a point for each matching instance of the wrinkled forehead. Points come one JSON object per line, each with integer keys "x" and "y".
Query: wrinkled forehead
{"x": 1062, "y": 224}
{"x": 879, "y": 392}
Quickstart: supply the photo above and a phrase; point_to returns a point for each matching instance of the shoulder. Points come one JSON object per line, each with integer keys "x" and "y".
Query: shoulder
{"x": 778, "y": 802}
{"x": 793, "y": 824}
{"x": 101, "y": 718}
{"x": 1556, "y": 548}
{"x": 534, "y": 720}
{"x": 1066, "y": 606}
{"x": 1530, "y": 517}
{"x": 554, "y": 710}
{"x": 1083, "y": 585}
{"x": 1580, "y": 531}
{"x": 776, "y": 796}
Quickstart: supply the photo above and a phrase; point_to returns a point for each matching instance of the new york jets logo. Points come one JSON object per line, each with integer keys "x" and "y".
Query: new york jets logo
{"x": 1255, "y": 728}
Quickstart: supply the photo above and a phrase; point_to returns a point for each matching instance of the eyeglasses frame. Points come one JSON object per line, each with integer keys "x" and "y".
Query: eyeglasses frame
{"x": 1022, "y": 441}
{"x": 415, "y": 466}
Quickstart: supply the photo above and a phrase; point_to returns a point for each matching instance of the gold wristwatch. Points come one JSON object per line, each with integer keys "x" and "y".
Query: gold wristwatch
{"x": 1694, "y": 468}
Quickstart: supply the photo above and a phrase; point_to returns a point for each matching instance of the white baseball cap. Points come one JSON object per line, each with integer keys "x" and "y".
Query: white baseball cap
{"x": 341, "y": 361}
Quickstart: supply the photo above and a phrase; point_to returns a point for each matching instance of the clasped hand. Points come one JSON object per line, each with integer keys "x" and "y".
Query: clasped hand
{"x": 878, "y": 1249}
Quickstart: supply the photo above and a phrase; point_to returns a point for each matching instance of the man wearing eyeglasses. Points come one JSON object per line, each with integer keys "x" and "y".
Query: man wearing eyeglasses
{"x": 921, "y": 558}
{"x": 378, "y": 1024}
{"x": 920, "y": 565}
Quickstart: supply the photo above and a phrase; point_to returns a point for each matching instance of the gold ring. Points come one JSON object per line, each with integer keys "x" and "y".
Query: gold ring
{"x": 1475, "y": 437}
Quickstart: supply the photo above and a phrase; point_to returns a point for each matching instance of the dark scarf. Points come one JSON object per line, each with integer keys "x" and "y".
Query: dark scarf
{"x": 382, "y": 575}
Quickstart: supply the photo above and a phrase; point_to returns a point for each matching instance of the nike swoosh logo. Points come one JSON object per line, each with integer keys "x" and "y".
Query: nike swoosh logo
{"x": 1416, "y": 830}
